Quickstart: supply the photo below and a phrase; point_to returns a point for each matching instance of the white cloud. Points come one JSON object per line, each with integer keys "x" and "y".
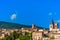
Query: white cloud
{"x": 58, "y": 21}
{"x": 13, "y": 16}
{"x": 50, "y": 14}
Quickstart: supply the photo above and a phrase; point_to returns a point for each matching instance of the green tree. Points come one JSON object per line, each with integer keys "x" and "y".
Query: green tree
{"x": 7, "y": 38}
{"x": 15, "y": 35}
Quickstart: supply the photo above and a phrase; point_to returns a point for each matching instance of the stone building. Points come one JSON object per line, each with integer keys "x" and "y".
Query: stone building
{"x": 53, "y": 26}
{"x": 37, "y": 35}
{"x": 54, "y": 30}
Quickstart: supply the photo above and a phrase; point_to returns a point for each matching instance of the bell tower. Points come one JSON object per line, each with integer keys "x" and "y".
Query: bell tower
{"x": 56, "y": 26}
{"x": 51, "y": 25}
{"x": 33, "y": 26}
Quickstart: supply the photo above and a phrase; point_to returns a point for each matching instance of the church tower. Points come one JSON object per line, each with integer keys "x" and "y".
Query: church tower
{"x": 33, "y": 26}
{"x": 51, "y": 25}
{"x": 56, "y": 26}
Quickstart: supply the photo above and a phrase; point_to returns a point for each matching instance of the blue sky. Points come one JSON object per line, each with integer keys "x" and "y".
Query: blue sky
{"x": 39, "y": 12}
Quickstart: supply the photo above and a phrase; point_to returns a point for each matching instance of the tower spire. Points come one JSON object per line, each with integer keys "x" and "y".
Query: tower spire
{"x": 51, "y": 25}
{"x": 52, "y": 22}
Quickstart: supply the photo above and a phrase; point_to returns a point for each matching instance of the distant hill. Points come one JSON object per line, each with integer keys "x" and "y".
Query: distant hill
{"x": 8, "y": 25}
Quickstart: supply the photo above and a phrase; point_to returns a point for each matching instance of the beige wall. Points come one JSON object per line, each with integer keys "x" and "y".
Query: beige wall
{"x": 36, "y": 35}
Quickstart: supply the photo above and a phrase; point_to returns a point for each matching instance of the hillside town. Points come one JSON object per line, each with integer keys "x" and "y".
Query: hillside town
{"x": 35, "y": 33}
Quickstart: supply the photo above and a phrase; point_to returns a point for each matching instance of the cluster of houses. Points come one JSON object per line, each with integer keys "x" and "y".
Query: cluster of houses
{"x": 42, "y": 34}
